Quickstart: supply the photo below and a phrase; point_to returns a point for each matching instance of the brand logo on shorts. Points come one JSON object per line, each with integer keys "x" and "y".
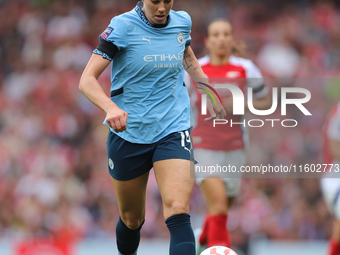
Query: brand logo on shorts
{"x": 180, "y": 38}
{"x": 111, "y": 165}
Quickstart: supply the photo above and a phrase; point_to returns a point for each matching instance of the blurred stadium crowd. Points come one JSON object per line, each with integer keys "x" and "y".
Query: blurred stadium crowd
{"x": 53, "y": 168}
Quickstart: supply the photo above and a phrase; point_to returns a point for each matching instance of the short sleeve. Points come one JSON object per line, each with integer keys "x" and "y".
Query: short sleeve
{"x": 334, "y": 128}
{"x": 188, "y": 24}
{"x": 116, "y": 33}
{"x": 255, "y": 80}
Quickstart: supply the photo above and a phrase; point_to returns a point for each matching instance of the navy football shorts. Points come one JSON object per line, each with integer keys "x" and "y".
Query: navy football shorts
{"x": 129, "y": 160}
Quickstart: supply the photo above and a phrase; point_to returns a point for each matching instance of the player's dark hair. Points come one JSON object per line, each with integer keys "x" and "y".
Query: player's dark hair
{"x": 216, "y": 20}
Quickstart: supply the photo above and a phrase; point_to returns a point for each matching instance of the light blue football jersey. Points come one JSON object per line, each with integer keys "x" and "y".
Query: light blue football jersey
{"x": 147, "y": 74}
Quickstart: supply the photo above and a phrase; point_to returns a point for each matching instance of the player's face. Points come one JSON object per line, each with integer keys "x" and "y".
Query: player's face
{"x": 157, "y": 11}
{"x": 220, "y": 38}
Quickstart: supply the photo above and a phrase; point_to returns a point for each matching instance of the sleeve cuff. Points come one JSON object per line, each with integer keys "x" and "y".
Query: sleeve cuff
{"x": 104, "y": 55}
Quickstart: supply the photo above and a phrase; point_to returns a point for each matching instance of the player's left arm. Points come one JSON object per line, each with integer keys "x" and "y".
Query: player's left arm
{"x": 195, "y": 71}
{"x": 261, "y": 100}
{"x": 261, "y": 103}
{"x": 261, "y": 97}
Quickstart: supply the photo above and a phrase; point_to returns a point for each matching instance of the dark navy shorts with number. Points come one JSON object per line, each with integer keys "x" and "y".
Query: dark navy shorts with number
{"x": 130, "y": 160}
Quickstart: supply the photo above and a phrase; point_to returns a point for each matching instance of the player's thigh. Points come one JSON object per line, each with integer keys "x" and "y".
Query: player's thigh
{"x": 175, "y": 185}
{"x": 131, "y": 199}
{"x": 172, "y": 162}
{"x": 126, "y": 160}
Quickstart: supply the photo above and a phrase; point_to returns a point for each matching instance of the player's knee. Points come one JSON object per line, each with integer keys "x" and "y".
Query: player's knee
{"x": 132, "y": 220}
{"x": 218, "y": 208}
{"x": 176, "y": 207}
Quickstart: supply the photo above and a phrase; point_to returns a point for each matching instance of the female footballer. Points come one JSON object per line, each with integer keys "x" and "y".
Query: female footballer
{"x": 148, "y": 114}
{"x": 222, "y": 145}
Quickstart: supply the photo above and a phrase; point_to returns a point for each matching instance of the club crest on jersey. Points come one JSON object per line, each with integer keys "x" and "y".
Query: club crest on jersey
{"x": 180, "y": 38}
{"x": 106, "y": 33}
{"x": 111, "y": 165}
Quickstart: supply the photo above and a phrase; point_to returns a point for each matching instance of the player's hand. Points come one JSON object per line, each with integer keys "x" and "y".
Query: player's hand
{"x": 116, "y": 118}
{"x": 216, "y": 111}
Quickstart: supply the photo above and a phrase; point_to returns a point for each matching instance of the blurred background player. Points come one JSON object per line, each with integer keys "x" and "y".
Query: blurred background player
{"x": 222, "y": 145}
{"x": 331, "y": 186}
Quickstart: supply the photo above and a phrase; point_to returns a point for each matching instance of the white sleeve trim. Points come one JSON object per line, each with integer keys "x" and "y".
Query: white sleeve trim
{"x": 253, "y": 75}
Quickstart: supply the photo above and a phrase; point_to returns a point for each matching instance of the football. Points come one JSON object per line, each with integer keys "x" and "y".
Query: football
{"x": 218, "y": 250}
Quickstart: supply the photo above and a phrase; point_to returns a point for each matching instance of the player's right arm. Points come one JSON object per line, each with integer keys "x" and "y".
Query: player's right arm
{"x": 90, "y": 87}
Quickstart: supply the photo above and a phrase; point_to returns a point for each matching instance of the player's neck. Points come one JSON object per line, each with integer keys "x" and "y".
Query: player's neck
{"x": 219, "y": 60}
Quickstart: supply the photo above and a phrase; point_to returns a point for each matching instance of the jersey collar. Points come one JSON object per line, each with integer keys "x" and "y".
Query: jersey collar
{"x": 141, "y": 14}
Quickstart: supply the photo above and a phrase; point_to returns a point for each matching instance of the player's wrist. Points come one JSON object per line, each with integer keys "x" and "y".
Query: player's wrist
{"x": 110, "y": 107}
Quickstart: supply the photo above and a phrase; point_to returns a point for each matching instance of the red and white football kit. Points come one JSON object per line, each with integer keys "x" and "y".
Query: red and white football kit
{"x": 223, "y": 145}
{"x": 238, "y": 71}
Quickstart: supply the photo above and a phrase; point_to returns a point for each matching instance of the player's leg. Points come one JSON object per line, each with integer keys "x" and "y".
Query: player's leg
{"x": 203, "y": 230}
{"x": 217, "y": 201}
{"x": 172, "y": 162}
{"x": 216, "y": 204}
{"x": 217, "y": 212}
{"x": 175, "y": 186}
{"x": 131, "y": 203}
{"x": 216, "y": 195}
{"x": 219, "y": 194}
{"x": 129, "y": 166}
